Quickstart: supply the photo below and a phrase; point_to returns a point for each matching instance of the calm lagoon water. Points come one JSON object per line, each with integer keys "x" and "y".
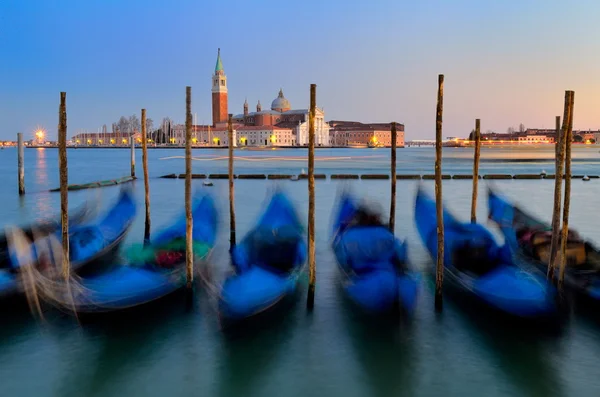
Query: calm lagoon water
{"x": 333, "y": 351}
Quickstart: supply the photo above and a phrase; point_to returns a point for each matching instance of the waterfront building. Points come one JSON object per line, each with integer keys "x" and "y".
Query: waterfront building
{"x": 354, "y": 133}
{"x": 103, "y": 139}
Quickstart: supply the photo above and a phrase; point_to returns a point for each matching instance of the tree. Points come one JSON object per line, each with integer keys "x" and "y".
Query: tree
{"x": 510, "y": 130}
{"x": 149, "y": 125}
{"x": 592, "y": 141}
{"x": 472, "y": 135}
{"x": 123, "y": 125}
{"x": 577, "y": 138}
{"x": 134, "y": 123}
{"x": 521, "y": 127}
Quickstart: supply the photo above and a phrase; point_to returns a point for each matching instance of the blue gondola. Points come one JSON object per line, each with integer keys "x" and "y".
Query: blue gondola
{"x": 158, "y": 271}
{"x": 475, "y": 265}
{"x": 373, "y": 263}
{"x": 529, "y": 238}
{"x": 88, "y": 243}
{"x": 268, "y": 263}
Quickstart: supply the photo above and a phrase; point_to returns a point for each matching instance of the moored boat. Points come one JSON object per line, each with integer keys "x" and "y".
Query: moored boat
{"x": 530, "y": 239}
{"x": 373, "y": 263}
{"x": 152, "y": 272}
{"x": 476, "y": 266}
{"x": 267, "y": 263}
{"x": 89, "y": 242}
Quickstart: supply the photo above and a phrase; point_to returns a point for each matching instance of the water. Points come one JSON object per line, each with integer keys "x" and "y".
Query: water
{"x": 333, "y": 351}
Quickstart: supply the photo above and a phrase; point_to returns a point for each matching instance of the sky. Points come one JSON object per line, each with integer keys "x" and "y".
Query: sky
{"x": 504, "y": 61}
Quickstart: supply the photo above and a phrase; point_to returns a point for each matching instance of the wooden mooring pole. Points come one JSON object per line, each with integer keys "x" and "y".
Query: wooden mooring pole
{"x": 567, "y": 200}
{"x": 439, "y": 268}
{"x": 64, "y": 182}
{"x": 20, "y": 163}
{"x": 312, "y": 274}
{"x": 189, "y": 221}
{"x": 554, "y": 244}
{"x": 476, "y": 170}
{"x": 146, "y": 181}
{"x": 392, "y": 222}
{"x": 132, "y": 156}
{"x": 231, "y": 186}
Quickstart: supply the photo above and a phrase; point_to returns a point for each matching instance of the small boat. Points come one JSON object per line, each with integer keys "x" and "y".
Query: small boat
{"x": 153, "y": 272}
{"x": 89, "y": 243}
{"x": 267, "y": 263}
{"x": 373, "y": 262}
{"x": 476, "y": 266}
{"x": 530, "y": 239}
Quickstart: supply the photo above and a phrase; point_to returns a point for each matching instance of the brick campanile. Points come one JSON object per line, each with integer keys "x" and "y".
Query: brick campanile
{"x": 219, "y": 93}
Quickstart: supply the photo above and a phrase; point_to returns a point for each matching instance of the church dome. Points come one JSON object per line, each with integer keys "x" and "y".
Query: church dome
{"x": 280, "y": 104}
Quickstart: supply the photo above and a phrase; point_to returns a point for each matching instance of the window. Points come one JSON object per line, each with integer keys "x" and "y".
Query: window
{"x": 222, "y": 82}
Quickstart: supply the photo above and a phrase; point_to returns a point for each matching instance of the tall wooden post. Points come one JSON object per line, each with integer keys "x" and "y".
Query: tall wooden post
{"x": 556, "y": 141}
{"x": 476, "y": 171}
{"x": 20, "y": 163}
{"x": 393, "y": 192}
{"x": 439, "y": 268}
{"x": 312, "y": 273}
{"x": 146, "y": 181}
{"x": 189, "y": 221}
{"x": 132, "y": 156}
{"x": 64, "y": 181}
{"x": 567, "y": 200}
{"x": 231, "y": 187}
{"x": 558, "y": 189}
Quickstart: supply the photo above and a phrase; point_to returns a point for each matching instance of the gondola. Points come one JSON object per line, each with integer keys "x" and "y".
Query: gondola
{"x": 373, "y": 263}
{"x": 153, "y": 272}
{"x": 267, "y": 264}
{"x": 530, "y": 239}
{"x": 89, "y": 243}
{"x": 481, "y": 270}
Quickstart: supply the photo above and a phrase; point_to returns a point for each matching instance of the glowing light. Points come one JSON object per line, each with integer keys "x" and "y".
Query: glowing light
{"x": 124, "y": 140}
{"x": 194, "y": 140}
{"x": 78, "y": 142}
{"x": 39, "y": 134}
{"x": 112, "y": 141}
{"x": 273, "y": 138}
{"x": 89, "y": 141}
{"x": 100, "y": 141}
{"x": 172, "y": 140}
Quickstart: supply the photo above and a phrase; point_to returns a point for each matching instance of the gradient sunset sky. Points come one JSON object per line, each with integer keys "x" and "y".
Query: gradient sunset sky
{"x": 505, "y": 62}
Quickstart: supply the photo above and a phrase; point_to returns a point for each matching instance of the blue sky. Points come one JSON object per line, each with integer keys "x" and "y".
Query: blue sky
{"x": 505, "y": 62}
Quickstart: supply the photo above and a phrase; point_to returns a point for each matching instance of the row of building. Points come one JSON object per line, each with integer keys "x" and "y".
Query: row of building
{"x": 278, "y": 126}
{"x": 538, "y": 135}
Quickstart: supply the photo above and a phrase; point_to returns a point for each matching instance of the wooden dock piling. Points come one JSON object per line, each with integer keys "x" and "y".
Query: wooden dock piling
{"x": 146, "y": 181}
{"x": 476, "y": 170}
{"x": 132, "y": 156}
{"x": 189, "y": 221}
{"x": 20, "y": 162}
{"x": 312, "y": 275}
{"x": 439, "y": 268}
{"x": 230, "y": 177}
{"x": 567, "y": 199}
{"x": 64, "y": 182}
{"x": 392, "y": 222}
{"x": 558, "y": 188}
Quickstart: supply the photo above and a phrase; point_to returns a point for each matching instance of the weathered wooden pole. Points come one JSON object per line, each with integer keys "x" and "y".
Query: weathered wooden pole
{"x": 189, "y": 221}
{"x": 132, "y": 138}
{"x": 439, "y": 268}
{"x": 558, "y": 189}
{"x": 567, "y": 201}
{"x": 20, "y": 162}
{"x": 231, "y": 187}
{"x": 476, "y": 170}
{"x": 312, "y": 271}
{"x": 556, "y": 141}
{"x": 146, "y": 181}
{"x": 393, "y": 193}
{"x": 64, "y": 181}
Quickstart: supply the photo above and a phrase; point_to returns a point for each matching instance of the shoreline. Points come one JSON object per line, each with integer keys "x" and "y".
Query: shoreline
{"x": 250, "y": 148}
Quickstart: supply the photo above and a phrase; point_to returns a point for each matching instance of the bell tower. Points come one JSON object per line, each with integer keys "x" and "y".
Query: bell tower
{"x": 219, "y": 93}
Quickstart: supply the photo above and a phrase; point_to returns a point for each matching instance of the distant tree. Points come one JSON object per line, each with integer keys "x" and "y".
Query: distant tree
{"x": 472, "y": 135}
{"x": 510, "y": 130}
{"x": 134, "y": 123}
{"x": 521, "y": 127}
{"x": 115, "y": 128}
{"x": 149, "y": 124}
{"x": 123, "y": 125}
{"x": 577, "y": 138}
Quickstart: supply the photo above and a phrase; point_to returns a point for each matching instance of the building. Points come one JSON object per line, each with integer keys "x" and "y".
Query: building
{"x": 354, "y": 133}
{"x": 219, "y": 94}
{"x": 104, "y": 139}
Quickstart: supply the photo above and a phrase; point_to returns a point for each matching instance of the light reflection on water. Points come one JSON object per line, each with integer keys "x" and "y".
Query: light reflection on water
{"x": 333, "y": 351}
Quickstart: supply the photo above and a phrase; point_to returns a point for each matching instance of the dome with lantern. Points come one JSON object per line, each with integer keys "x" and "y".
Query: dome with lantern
{"x": 280, "y": 104}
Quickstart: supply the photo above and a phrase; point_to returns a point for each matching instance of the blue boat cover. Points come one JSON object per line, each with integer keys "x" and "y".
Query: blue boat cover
{"x": 267, "y": 261}
{"x": 374, "y": 261}
{"x": 482, "y": 268}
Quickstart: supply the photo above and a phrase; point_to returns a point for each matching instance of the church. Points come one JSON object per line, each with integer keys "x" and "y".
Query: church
{"x": 279, "y": 126}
